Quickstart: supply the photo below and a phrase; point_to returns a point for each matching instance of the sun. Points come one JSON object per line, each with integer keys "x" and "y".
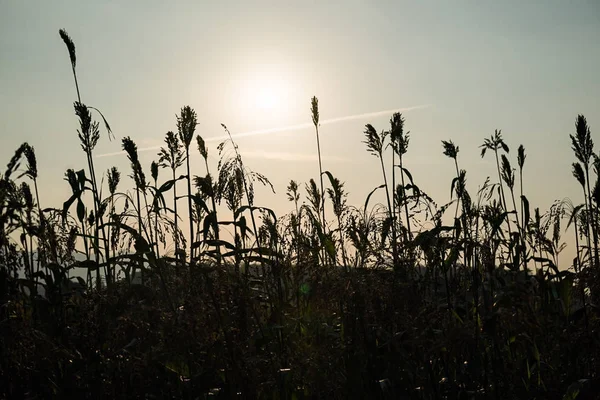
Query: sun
{"x": 267, "y": 98}
{"x": 264, "y": 94}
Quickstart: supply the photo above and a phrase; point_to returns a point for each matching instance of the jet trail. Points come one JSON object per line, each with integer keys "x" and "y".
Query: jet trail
{"x": 289, "y": 127}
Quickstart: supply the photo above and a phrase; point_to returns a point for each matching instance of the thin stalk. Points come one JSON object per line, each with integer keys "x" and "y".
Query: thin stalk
{"x": 344, "y": 258}
{"x": 191, "y": 220}
{"x": 247, "y": 192}
{"x": 592, "y": 220}
{"x": 315, "y": 120}
{"x": 214, "y": 206}
{"x": 387, "y": 194}
{"x": 139, "y": 218}
{"x": 321, "y": 179}
{"x": 405, "y": 202}
{"x": 176, "y": 217}
{"x": 109, "y": 240}
{"x": 394, "y": 205}
{"x": 587, "y": 218}
{"x": 503, "y": 198}
{"x": 523, "y": 224}
{"x": 578, "y": 272}
{"x": 519, "y": 227}
{"x": 156, "y": 225}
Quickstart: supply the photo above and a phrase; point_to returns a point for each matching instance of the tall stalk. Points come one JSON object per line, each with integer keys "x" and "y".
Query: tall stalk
{"x": 186, "y": 126}
{"x": 338, "y": 195}
{"x": 315, "y": 119}
{"x": 172, "y": 157}
{"x": 508, "y": 176}
{"x": 583, "y": 147}
{"x": 451, "y": 151}
{"x": 402, "y": 140}
{"x": 88, "y": 135}
{"x": 114, "y": 177}
{"x": 495, "y": 143}
{"x": 247, "y": 189}
{"x": 375, "y": 145}
{"x": 154, "y": 174}
{"x": 579, "y": 175}
{"x": 521, "y": 156}
{"x": 207, "y": 187}
{"x": 27, "y": 198}
{"x": 396, "y": 138}
{"x": 32, "y": 173}
{"x": 573, "y": 216}
{"x": 293, "y": 195}
{"x": 140, "y": 184}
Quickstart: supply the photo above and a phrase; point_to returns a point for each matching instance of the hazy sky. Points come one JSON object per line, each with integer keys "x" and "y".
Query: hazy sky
{"x": 464, "y": 67}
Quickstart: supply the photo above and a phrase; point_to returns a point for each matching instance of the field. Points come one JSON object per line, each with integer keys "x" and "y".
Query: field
{"x": 409, "y": 299}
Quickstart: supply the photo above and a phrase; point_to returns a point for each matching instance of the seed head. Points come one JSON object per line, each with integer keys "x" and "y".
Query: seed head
{"x": 70, "y": 46}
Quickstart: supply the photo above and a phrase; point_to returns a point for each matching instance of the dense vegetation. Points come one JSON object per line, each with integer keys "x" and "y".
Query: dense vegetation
{"x": 407, "y": 299}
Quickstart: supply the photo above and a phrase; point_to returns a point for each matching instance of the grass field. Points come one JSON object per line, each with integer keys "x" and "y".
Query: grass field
{"x": 409, "y": 299}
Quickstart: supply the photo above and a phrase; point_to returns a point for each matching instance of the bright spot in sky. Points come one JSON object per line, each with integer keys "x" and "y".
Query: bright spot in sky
{"x": 264, "y": 93}
{"x": 267, "y": 98}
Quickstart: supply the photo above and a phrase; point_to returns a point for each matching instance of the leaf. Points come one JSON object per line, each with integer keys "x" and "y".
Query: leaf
{"x": 214, "y": 242}
{"x": 526, "y": 210}
{"x": 209, "y": 221}
{"x": 330, "y": 176}
{"x": 451, "y": 259}
{"x": 536, "y": 352}
{"x": 80, "y": 210}
{"x": 408, "y": 174}
{"x": 106, "y": 125}
{"x": 574, "y": 214}
{"x": 81, "y": 178}
{"x": 329, "y": 247}
{"x": 179, "y": 367}
{"x": 141, "y": 245}
{"x": 454, "y": 181}
{"x": 263, "y": 251}
{"x": 385, "y": 229}
{"x": 424, "y": 239}
{"x": 547, "y": 261}
{"x": 66, "y": 205}
{"x": 370, "y": 194}
{"x": 167, "y": 185}
{"x": 458, "y": 318}
{"x": 87, "y": 264}
{"x": 199, "y": 202}
{"x": 254, "y": 208}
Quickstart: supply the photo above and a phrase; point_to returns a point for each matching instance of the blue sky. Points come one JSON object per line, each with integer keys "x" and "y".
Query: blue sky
{"x": 526, "y": 67}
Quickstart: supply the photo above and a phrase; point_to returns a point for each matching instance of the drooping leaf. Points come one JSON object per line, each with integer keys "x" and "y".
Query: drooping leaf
{"x": 80, "y": 210}
{"x": 371, "y": 194}
{"x": 526, "y": 210}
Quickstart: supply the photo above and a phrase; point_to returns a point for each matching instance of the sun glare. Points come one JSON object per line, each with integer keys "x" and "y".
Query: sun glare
{"x": 266, "y": 99}
{"x": 264, "y": 94}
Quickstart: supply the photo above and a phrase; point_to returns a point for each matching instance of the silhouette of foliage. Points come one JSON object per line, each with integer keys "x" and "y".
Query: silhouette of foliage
{"x": 395, "y": 300}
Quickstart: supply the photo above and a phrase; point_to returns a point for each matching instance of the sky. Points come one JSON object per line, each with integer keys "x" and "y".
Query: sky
{"x": 458, "y": 70}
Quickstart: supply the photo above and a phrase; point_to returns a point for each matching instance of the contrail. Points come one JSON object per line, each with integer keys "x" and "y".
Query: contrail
{"x": 289, "y": 127}
{"x": 283, "y": 156}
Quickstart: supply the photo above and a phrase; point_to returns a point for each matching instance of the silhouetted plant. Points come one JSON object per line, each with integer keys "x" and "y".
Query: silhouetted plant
{"x": 400, "y": 140}
{"x": 186, "y": 126}
{"x": 375, "y": 145}
{"x": 583, "y": 147}
{"x": 207, "y": 188}
{"x": 172, "y": 157}
{"x": 284, "y": 329}
{"x": 139, "y": 179}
